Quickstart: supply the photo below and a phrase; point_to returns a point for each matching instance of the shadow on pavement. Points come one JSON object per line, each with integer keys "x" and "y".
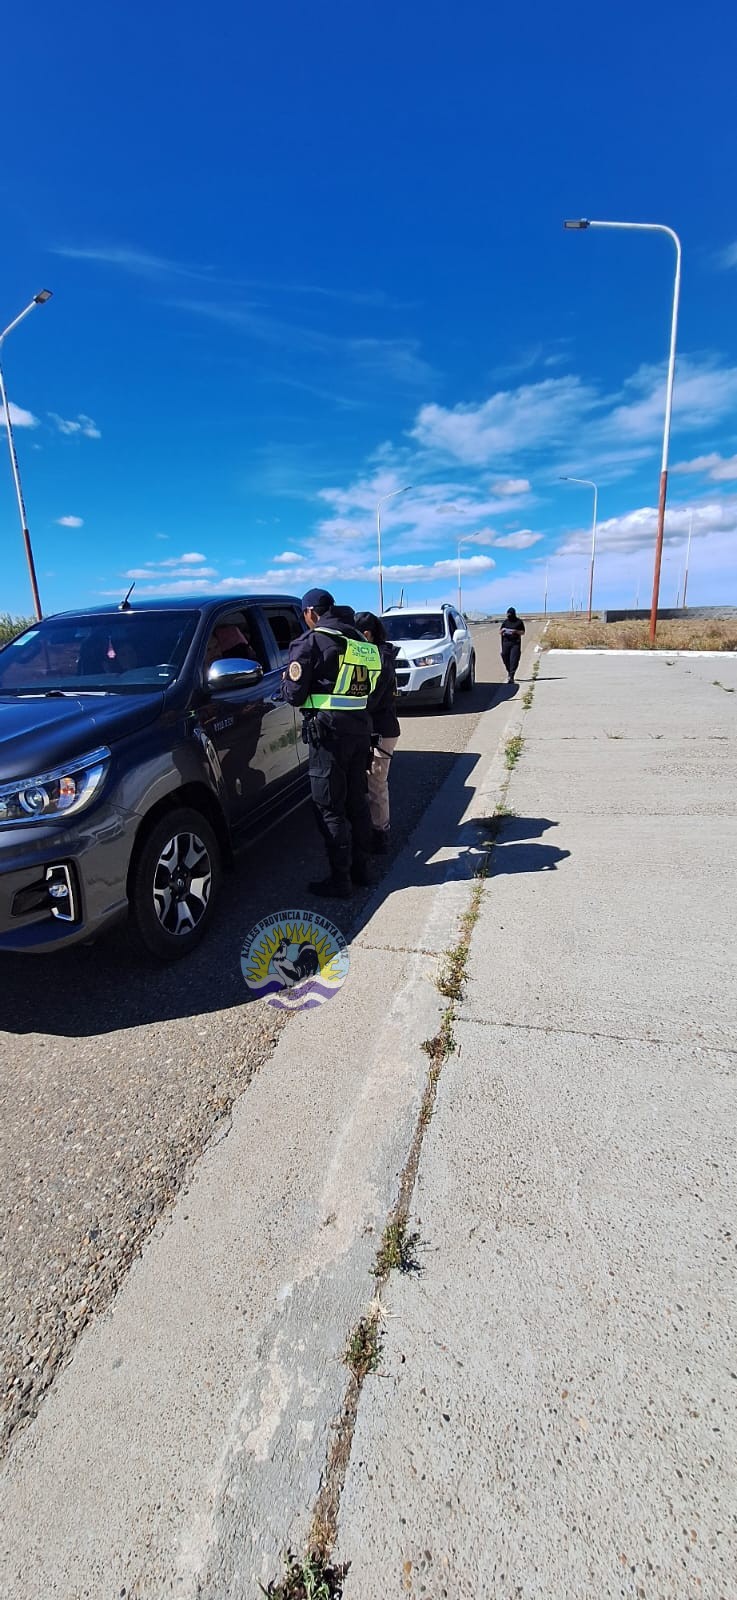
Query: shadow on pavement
{"x": 108, "y": 987}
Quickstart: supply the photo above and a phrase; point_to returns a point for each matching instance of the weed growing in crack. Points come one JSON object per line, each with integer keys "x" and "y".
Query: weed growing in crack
{"x": 363, "y": 1349}
{"x": 513, "y": 750}
{"x": 310, "y": 1579}
{"x": 397, "y": 1251}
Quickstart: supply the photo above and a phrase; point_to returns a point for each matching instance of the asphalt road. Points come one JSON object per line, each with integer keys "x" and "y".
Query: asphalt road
{"x": 114, "y": 1073}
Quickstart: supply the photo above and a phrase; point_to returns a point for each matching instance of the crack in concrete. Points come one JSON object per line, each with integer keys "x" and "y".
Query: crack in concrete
{"x": 594, "y": 1033}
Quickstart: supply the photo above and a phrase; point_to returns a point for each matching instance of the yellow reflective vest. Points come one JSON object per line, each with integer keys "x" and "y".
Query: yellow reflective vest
{"x": 359, "y": 666}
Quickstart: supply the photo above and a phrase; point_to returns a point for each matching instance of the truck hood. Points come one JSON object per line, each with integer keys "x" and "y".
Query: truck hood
{"x": 38, "y": 735}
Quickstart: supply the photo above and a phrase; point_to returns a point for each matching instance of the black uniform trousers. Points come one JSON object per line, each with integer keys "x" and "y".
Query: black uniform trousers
{"x": 511, "y": 652}
{"x": 340, "y": 746}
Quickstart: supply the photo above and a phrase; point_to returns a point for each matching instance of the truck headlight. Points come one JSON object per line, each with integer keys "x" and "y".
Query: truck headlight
{"x": 55, "y": 794}
{"x": 429, "y": 661}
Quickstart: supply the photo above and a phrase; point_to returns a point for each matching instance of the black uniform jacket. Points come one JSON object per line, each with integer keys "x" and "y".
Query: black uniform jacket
{"x": 317, "y": 656}
{"x": 383, "y": 702}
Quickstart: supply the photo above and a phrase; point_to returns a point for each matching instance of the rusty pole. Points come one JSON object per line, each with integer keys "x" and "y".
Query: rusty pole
{"x": 39, "y": 299}
{"x": 654, "y": 227}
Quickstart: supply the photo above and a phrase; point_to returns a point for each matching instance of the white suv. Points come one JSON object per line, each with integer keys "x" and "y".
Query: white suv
{"x": 434, "y": 652}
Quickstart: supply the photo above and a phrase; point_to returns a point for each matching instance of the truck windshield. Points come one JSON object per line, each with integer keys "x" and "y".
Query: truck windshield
{"x": 122, "y": 652}
{"x": 414, "y": 625}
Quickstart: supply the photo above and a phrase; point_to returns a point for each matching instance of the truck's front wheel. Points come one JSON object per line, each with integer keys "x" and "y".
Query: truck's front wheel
{"x": 173, "y": 883}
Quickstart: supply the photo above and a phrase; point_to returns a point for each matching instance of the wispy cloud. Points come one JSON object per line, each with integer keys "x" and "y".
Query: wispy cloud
{"x": 70, "y": 522}
{"x": 511, "y": 486}
{"x": 142, "y": 263}
{"x": 81, "y": 426}
{"x": 523, "y": 540}
{"x": 398, "y": 359}
{"x": 719, "y": 469}
{"x": 20, "y": 418}
{"x": 147, "y": 264}
{"x": 288, "y": 558}
{"x": 612, "y": 431}
{"x": 727, "y": 258}
{"x": 510, "y": 421}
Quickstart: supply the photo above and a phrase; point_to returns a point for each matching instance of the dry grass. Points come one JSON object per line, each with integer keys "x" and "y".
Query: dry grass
{"x": 687, "y": 634}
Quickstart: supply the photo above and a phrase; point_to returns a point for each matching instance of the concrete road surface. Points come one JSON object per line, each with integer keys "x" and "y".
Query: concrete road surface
{"x": 555, "y": 1413}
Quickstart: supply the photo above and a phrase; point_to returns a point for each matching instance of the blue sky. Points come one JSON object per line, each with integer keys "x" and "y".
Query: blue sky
{"x": 304, "y": 256}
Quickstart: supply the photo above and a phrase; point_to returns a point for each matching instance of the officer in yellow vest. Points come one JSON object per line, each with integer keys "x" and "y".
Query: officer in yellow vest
{"x": 331, "y": 672}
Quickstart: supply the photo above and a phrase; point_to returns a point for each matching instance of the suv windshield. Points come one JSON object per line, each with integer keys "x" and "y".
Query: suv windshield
{"x": 126, "y": 650}
{"x": 415, "y": 625}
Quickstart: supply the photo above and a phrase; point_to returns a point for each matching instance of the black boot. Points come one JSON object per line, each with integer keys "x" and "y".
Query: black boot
{"x": 380, "y": 846}
{"x": 337, "y": 887}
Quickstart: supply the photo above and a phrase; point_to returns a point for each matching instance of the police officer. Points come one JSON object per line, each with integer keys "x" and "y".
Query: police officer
{"x": 511, "y": 632}
{"x": 331, "y": 672}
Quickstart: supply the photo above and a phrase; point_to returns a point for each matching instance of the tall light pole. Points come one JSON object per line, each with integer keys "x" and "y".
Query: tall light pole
{"x": 688, "y": 557}
{"x": 465, "y": 540}
{"x": 38, "y": 300}
{"x": 380, "y": 503}
{"x": 589, "y": 485}
{"x": 655, "y": 227}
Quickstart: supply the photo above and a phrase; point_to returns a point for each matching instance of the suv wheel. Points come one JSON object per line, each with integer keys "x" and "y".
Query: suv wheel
{"x": 470, "y": 678}
{"x": 450, "y": 689}
{"x": 173, "y": 884}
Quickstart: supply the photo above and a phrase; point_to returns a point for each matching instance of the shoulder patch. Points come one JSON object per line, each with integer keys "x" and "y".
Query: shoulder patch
{"x": 295, "y": 671}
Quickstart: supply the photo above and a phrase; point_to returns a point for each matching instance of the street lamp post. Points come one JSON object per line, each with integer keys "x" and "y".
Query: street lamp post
{"x": 380, "y": 503}
{"x": 38, "y": 300}
{"x": 688, "y": 558}
{"x": 655, "y": 227}
{"x": 589, "y": 485}
{"x": 467, "y": 537}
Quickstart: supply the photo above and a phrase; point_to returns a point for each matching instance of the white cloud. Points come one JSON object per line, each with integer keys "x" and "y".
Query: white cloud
{"x": 719, "y": 469}
{"x": 161, "y": 535}
{"x": 518, "y": 541}
{"x": 636, "y": 529}
{"x": 20, "y": 418}
{"x": 70, "y": 522}
{"x": 511, "y": 486}
{"x": 288, "y": 558}
{"x": 82, "y": 426}
{"x": 191, "y": 567}
{"x": 704, "y": 393}
{"x": 527, "y": 418}
{"x": 173, "y": 582}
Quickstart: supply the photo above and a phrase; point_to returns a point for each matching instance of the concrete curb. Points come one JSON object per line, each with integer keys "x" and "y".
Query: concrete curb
{"x": 183, "y": 1447}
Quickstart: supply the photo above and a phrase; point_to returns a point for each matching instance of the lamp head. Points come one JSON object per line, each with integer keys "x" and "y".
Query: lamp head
{"x": 42, "y": 296}
{"x": 577, "y": 223}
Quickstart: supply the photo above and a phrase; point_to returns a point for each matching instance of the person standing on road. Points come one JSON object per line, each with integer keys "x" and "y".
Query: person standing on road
{"x": 331, "y": 672}
{"x": 511, "y": 632}
{"x": 385, "y": 729}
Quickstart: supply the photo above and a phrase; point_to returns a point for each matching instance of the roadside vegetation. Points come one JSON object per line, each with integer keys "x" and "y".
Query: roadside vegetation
{"x": 682, "y": 634}
{"x": 310, "y": 1579}
{"x": 10, "y": 627}
{"x": 314, "y": 1576}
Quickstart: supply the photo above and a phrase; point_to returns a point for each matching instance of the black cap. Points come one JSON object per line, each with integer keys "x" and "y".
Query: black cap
{"x": 319, "y": 600}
